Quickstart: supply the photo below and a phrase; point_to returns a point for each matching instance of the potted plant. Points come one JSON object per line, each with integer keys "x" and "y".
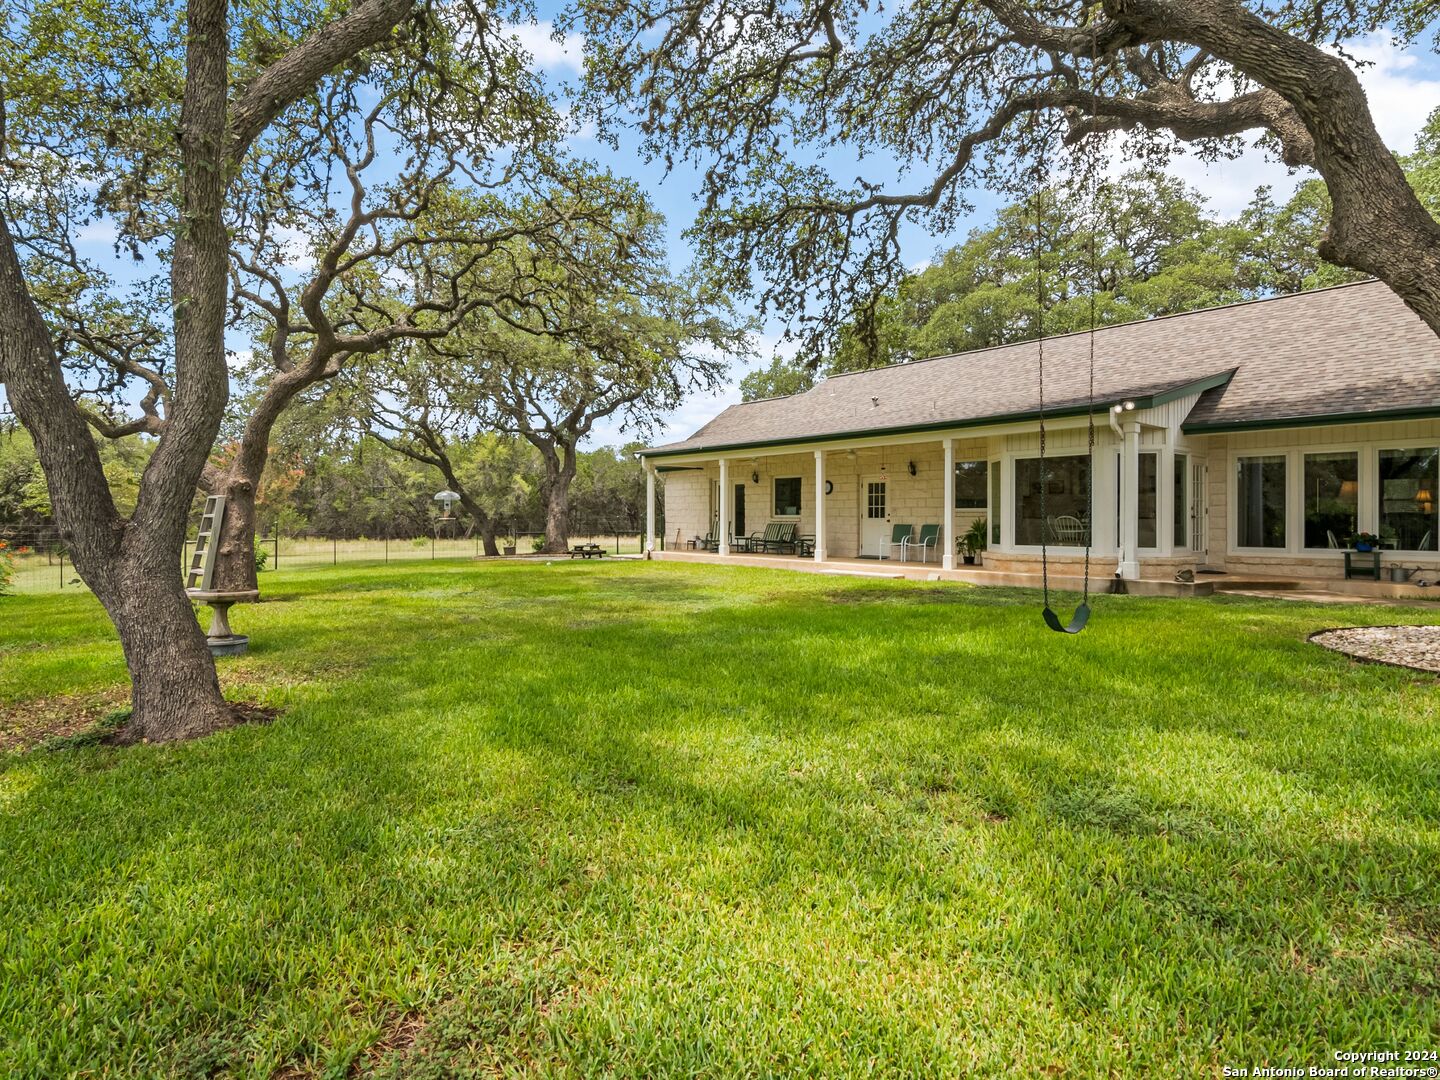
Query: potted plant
{"x": 1365, "y": 541}
{"x": 974, "y": 541}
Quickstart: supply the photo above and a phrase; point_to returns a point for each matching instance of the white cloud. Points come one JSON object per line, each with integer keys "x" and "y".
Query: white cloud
{"x": 296, "y": 251}
{"x": 97, "y": 232}
{"x": 239, "y": 360}
{"x": 566, "y": 54}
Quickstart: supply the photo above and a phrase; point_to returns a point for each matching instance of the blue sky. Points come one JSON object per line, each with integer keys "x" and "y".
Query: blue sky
{"x": 1404, "y": 87}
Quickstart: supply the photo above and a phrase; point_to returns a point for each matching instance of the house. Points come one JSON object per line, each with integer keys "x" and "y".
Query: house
{"x": 1256, "y": 438}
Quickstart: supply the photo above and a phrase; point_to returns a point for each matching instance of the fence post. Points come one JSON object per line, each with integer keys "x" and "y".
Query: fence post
{"x": 277, "y": 551}
{"x": 334, "y": 551}
{"x": 432, "y": 545}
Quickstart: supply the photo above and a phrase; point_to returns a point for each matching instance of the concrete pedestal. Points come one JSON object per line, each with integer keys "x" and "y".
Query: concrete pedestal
{"x": 222, "y": 640}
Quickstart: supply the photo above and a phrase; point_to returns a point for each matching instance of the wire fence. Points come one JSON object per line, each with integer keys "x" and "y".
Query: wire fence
{"x": 43, "y": 565}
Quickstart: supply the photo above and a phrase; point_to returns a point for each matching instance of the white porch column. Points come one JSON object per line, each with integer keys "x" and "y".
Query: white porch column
{"x": 947, "y": 560}
{"x": 724, "y": 524}
{"x": 649, "y": 508}
{"x": 1130, "y": 501}
{"x": 819, "y": 505}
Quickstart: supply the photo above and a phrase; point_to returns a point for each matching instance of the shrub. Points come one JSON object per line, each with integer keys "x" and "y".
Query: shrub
{"x": 7, "y": 567}
{"x": 262, "y": 559}
{"x": 538, "y": 543}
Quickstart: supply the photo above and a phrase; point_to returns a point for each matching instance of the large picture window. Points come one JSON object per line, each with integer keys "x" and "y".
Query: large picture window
{"x": 1065, "y": 483}
{"x": 787, "y": 496}
{"x": 1409, "y": 483}
{"x": 970, "y": 485}
{"x": 1260, "y": 502}
{"x": 1332, "y": 499}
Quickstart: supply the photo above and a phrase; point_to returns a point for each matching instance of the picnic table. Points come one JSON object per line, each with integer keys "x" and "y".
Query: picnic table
{"x": 585, "y": 551}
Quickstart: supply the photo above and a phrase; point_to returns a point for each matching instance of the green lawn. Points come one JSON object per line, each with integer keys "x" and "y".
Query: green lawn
{"x": 662, "y": 819}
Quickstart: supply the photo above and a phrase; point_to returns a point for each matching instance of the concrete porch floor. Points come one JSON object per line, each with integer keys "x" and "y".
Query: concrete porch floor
{"x": 973, "y": 575}
{"x": 1321, "y": 590}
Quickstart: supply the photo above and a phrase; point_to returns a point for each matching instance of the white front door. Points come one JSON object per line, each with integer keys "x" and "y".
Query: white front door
{"x": 875, "y": 517}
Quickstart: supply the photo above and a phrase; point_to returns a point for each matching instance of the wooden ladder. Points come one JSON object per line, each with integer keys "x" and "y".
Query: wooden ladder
{"x": 201, "y": 574}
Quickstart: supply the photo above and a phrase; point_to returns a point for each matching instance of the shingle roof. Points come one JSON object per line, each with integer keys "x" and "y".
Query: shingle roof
{"x": 1352, "y": 349}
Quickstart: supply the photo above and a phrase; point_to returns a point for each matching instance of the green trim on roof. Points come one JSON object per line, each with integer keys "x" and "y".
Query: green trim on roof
{"x": 1198, "y": 386}
{"x": 1420, "y": 412}
{"x": 678, "y": 468}
{"x": 863, "y": 433}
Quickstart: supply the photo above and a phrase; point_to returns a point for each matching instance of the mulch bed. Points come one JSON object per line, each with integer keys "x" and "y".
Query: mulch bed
{"x": 68, "y": 720}
{"x": 1414, "y": 647}
{"x": 27, "y": 724}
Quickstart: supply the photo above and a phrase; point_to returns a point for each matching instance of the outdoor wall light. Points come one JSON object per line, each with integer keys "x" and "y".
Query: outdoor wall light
{"x": 1129, "y": 405}
{"x": 912, "y": 468}
{"x": 755, "y": 477}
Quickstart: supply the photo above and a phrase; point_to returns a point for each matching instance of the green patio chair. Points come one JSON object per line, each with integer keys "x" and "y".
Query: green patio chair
{"x": 899, "y": 537}
{"x": 760, "y": 541}
{"x": 926, "y": 542}
{"x": 711, "y": 540}
{"x": 788, "y": 540}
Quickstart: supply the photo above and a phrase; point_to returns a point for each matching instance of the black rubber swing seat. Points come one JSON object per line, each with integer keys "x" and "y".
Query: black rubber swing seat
{"x": 1077, "y": 621}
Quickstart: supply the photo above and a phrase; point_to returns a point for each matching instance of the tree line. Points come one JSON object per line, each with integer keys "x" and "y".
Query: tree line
{"x": 358, "y": 488}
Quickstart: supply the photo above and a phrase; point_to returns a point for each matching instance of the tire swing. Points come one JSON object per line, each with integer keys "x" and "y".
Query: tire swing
{"x": 1081, "y": 616}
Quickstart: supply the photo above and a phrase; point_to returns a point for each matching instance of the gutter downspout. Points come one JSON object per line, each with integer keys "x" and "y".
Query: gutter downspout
{"x": 1128, "y": 542}
{"x": 1114, "y": 413}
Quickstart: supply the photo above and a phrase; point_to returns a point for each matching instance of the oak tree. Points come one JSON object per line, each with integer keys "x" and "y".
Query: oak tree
{"x": 782, "y": 101}
{"x": 147, "y": 119}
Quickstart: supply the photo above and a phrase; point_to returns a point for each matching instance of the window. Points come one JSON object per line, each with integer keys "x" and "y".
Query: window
{"x": 1149, "y": 500}
{"x": 875, "y": 500}
{"x": 1182, "y": 504}
{"x": 1332, "y": 499}
{"x": 1409, "y": 482}
{"x": 970, "y": 485}
{"x": 995, "y": 503}
{"x": 787, "y": 496}
{"x": 1260, "y": 502}
{"x": 1063, "y": 485}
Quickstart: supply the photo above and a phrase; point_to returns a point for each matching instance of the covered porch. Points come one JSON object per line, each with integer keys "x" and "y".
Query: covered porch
{"x": 843, "y": 503}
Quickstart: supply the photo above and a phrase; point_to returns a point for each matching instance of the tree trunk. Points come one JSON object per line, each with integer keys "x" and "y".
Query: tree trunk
{"x": 487, "y": 537}
{"x": 559, "y": 473}
{"x": 235, "y": 553}
{"x": 1378, "y": 224}
{"x": 174, "y": 690}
